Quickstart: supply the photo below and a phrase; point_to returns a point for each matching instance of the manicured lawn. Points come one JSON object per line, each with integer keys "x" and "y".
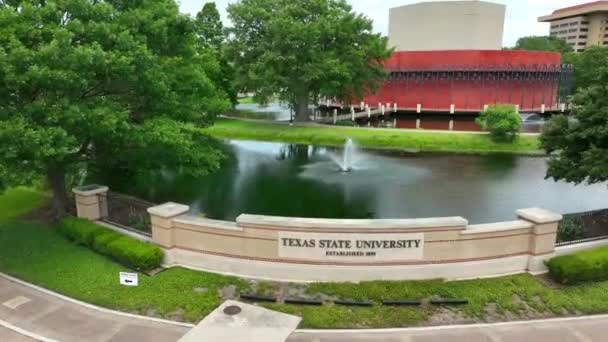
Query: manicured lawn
{"x": 366, "y": 138}
{"x": 40, "y": 255}
{"x": 18, "y": 201}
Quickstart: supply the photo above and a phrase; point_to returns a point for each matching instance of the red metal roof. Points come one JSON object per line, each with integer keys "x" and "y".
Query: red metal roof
{"x": 572, "y": 8}
{"x": 467, "y": 59}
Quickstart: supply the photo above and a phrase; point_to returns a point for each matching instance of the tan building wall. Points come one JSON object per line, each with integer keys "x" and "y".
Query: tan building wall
{"x": 581, "y": 26}
{"x": 453, "y": 25}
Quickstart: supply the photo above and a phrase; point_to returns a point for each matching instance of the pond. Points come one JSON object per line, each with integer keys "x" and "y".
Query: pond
{"x": 305, "y": 181}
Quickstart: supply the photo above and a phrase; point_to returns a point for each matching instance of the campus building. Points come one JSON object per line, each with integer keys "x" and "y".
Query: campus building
{"x": 457, "y": 25}
{"x": 581, "y": 26}
{"x": 449, "y": 65}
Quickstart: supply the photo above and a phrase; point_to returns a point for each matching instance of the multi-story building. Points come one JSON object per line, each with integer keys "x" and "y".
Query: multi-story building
{"x": 581, "y": 26}
{"x": 447, "y": 25}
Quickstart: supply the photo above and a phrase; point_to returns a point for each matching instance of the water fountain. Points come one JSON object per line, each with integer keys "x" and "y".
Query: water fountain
{"x": 346, "y": 163}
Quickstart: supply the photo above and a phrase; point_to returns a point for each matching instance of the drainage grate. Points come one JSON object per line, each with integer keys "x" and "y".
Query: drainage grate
{"x": 232, "y": 310}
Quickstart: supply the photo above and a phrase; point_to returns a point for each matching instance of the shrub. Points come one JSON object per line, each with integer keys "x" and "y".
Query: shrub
{"x": 591, "y": 265}
{"x": 571, "y": 229}
{"x": 80, "y": 231}
{"x": 502, "y": 121}
{"x": 122, "y": 248}
{"x": 136, "y": 253}
{"x": 103, "y": 240}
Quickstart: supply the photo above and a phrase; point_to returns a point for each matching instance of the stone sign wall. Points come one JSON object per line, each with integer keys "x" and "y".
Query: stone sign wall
{"x": 303, "y": 249}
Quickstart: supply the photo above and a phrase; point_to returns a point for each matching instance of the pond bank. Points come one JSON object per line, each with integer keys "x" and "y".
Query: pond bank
{"x": 381, "y": 139}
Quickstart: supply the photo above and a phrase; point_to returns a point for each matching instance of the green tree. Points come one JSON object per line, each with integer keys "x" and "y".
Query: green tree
{"x": 543, "y": 43}
{"x": 502, "y": 121}
{"x": 578, "y": 145}
{"x": 586, "y": 65}
{"x": 300, "y": 50}
{"x": 210, "y": 27}
{"x": 90, "y": 80}
{"x": 212, "y": 36}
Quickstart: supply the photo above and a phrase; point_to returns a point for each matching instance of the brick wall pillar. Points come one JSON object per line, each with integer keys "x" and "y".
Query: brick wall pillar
{"x": 91, "y": 203}
{"x": 542, "y": 237}
{"x": 161, "y": 218}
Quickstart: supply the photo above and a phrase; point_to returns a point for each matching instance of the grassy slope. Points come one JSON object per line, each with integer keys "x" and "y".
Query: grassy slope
{"x": 38, "y": 254}
{"x": 379, "y": 139}
{"x": 18, "y": 201}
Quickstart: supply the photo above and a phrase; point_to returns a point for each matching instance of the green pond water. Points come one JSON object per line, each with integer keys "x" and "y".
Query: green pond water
{"x": 305, "y": 181}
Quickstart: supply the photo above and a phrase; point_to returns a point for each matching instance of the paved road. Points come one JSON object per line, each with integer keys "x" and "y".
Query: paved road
{"x": 7, "y": 335}
{"x": 64, "y": 321}
{"x": 586, "y": 330}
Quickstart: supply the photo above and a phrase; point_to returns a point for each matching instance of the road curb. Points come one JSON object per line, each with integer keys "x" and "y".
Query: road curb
{"x": 453, "y": 327}
{"x": 91, "y": 306}
{"x": 26, "y": 333}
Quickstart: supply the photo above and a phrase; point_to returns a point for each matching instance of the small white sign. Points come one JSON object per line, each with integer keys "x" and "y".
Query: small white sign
{"x": 129, "y": 279}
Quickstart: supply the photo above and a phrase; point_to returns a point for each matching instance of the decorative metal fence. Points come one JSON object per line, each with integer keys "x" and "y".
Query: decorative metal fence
{"x": 583, "y": 227}
{"x": 127, "y": 211}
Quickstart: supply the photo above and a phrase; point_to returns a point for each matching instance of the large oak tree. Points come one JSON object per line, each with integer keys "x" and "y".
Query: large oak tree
{"x": 101, "y": 80}
{"x": 300, "y": 50}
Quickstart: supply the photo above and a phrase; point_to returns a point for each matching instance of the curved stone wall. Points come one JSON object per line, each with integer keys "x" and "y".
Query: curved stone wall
{"x": 301, "y": 249}
{"x": 306, "y": 250}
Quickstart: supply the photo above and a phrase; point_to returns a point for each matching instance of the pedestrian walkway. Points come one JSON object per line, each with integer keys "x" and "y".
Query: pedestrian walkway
{"x": 57, "y": 319}
{"x": 583, "y": 329}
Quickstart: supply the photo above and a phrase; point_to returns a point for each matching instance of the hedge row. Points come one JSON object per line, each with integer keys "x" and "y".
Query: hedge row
{"x": 124, "y": 249}
{"x": 591, "y": 265}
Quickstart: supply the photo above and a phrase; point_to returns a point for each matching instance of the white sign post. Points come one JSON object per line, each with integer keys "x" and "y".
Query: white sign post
{"x": 129, "y": 279}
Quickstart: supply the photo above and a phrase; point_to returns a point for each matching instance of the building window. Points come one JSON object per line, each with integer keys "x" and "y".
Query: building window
{"x": 580, "y": 50}
{"x": 581, "y": 43}
{"x": 585, "y": 37}
{"x": 584, "y": 30}
{"x": 554, "y": 26}
{"x": 563, "y": 25}
{"x": 584, "y": 22}
{"x": 574, "y": 23}
{"x": 572, "y": 30}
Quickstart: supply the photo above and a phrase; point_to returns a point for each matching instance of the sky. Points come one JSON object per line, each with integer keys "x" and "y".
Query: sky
{"x": 521, "y": 18}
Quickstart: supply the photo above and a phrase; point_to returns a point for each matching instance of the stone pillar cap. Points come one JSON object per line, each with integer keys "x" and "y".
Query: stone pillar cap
{"x": 168, "y": 210}
{"x": 90, "y": 190}
{"x": 538, "y": 215}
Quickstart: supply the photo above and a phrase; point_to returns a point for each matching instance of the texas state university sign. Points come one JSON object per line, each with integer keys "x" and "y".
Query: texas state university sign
{"x": 350, "y": 247}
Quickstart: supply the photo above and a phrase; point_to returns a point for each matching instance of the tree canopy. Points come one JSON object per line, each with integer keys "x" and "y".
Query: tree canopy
{"x": 543, "y": 43}
{"x": 587, "y": 64}
{"x": 212, "y": 36}
{"x": 300, "y": 50}
{"x": 84, "y": 80}
{"x": 578, "y": 144}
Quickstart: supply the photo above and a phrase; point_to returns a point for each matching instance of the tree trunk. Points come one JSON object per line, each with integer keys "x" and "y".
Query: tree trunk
{"x": 302, "y": 99}
{"x": 56, "y": 179}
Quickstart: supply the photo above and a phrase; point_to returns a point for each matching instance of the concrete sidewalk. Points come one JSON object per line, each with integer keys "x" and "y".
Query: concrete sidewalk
{"x": 583, "y": 329}
{"x": 61, "y": 320}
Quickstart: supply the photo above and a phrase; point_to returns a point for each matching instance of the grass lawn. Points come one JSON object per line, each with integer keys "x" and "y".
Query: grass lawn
{"x": 18, "y": 201}
{"x": 38, "y": 254}
{"x": 376, "y": 139}
{"x": 246, "y": 100}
